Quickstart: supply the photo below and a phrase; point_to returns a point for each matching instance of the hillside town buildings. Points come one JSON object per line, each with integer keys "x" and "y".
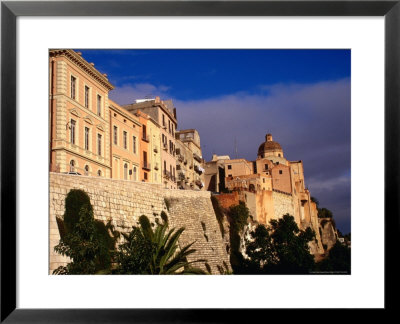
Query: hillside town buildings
{"x": 271, "y": 186}
{"x": 91, "y": 135}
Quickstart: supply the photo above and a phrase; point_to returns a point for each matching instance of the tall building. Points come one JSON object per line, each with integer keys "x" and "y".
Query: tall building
{"x": 189, "y": 161}
{"x": 79, "y": 115}
{"x": 154, "y": 130}
{"x": 164, "y": 114}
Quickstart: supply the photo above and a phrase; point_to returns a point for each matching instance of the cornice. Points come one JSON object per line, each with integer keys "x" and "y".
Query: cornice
{"x": 83, "y": 64}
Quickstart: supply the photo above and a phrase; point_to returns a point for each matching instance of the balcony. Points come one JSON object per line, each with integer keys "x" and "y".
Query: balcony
{"x": 197, "y": 157}
{"x": 146, "y": 138}
{"x": 198, "y": 169}
{"x": 303, "y": 196}
{"x": 146, "y": 166}
{"x": 181, "y": 175}
{"x": 167, "y": 175}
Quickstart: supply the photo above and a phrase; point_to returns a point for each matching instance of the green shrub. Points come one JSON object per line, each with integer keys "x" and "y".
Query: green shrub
{"x": 75, "y": 200}
{"x": 88, "y": 242}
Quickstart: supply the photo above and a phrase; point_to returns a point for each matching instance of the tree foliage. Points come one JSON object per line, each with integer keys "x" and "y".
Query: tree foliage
{"x": 155, "y": 252}
{"x": 82, "y": 245}
{"x": 324, "y": 213}
{"x": 237, "y": 216}
{"x": 280, "y": 248}
{"x": 339, "y": 259}
{"x": 85, "y": 240}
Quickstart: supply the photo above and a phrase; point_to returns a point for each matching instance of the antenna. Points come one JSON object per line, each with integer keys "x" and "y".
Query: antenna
{"x": 236, "y": 152}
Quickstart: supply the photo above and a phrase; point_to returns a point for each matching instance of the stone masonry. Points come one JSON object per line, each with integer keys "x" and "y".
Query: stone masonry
{"x": 125, "y": 201}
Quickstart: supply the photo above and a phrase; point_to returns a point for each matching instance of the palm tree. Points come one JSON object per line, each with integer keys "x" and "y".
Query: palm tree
{"x": 164, "y": 256}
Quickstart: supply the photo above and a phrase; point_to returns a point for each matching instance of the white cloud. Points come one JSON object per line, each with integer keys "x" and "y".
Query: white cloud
{"x": 127, "y": 93}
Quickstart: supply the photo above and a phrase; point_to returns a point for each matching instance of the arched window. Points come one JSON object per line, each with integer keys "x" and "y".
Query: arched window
{"x": 134, "y": 174}
{"x": 99, "y": 173}
{"x": 86, "y": 170}
{"x": 125, "y": 171}
{"x": 72, "y": 166}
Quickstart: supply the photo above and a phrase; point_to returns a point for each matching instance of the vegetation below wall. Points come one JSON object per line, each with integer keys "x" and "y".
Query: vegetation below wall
{"x": 279, "y": 248}
{"x": 88, "y": 242}
{"x": 91, "y": 244}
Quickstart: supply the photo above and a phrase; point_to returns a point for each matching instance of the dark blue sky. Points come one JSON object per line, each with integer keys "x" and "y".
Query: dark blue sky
{"x": 301, "y": 96}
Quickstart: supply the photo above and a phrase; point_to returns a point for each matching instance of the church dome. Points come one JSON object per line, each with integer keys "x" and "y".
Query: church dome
{"x": 269, "y": 147}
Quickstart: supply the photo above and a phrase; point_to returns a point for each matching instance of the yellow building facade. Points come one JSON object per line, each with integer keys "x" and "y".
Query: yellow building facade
{"x": 79, "y": 116}
{"x": 125, "y": 140}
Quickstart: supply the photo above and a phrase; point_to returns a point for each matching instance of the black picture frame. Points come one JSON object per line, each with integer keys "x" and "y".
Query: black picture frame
{"x": 11, "y": 10}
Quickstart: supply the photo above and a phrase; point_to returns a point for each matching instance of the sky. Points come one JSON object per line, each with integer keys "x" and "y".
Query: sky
{"x": 301, "y": 97}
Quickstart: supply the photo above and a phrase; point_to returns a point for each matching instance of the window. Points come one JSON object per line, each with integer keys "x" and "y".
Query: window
{"x": 144, "y": 132}
{"x": 72, "y": 166}
{"x": 229, "y": 167}
{"x": 265, "y": 166}
{"x": 125, "y": 140}
{"x": 86, "y": 139}
{"x": 99, "y": 144}
{"x": 280, "y": 172}
{"x": 86, "y": 96}
{"x": 169, "y": 126}
{"x": 145, "y": 159}
{"x": 99, "y": 105}
{"x": 165, "y": 167}
{"x": 73, "y": 124}
{"x": 134, "y": 144}
{"x": 277, "y": 163}
{"x": 134, "y": 174}
{"x": 73, "y": 87}
{"x": 279, "y": 155}
{"x": 115, "y": 135}
{"x": 263, "y": 180}
{"x": 145, "y": 176}
{"x": 125, "y": 171}
{"x": 99, "y": 173}
{"x": 163, "y": 120}
{"x": 86, "y": 170}
{"x": 173, "y": 173}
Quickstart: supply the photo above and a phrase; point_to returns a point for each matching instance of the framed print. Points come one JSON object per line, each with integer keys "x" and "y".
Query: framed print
{"x": 369, "y": 30}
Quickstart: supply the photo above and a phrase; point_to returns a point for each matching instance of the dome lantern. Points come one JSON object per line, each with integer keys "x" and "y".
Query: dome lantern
{"x": 270, "y": 148}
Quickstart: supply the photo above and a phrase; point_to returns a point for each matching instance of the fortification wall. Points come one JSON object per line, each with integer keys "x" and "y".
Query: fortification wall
{"x": 125, "y": 201}
{"x": 283, "y": 204}
{"x": 228, "y": 199}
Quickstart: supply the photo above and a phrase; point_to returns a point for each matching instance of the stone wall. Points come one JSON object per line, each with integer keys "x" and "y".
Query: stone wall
{"x": 283, "y": 204}
{"x": 328, "y": 233}
{"x": 125, "y": 201}
{"x": 228, "y": 199}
